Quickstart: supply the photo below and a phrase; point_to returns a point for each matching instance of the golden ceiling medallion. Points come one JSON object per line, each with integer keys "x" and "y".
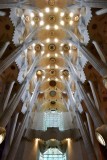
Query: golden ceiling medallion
{"x": 76, "y": 18}
{"x": 67, "y": 17}
{"x": 66, "y": 47}
{"x": 39, "y": 72}
{"x": 52, "y": 93}
{"x": 36, "y": 18}
{"x": 65, "y": 73}
{"x": 52, "y": 83}
{"x": 52, "y": 47}
{"x": 51, "y": 2}
{"x": 52, "y": 60}
{"x": 74, "y": 48}
{"x": 52, "y": 33}
{"x": 52, "y": 18}
{"x": 38, "y": 48}
{"x": 52, "y": 72}
{"x": 53, "y": 102}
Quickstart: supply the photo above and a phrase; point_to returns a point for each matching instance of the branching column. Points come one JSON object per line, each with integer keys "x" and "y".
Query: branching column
{"x": 17, "y": 139}
{"x": 94, "y": 3}
{"x": 7, "y": 95}
{"x": 98, "y": 65}
{"x": 10, "y": 109}
{"x": 87, "y": 142}
{"x": 92, "y": 110}
{"x": 3, "y": 49}
{"x": 11, "y": 58}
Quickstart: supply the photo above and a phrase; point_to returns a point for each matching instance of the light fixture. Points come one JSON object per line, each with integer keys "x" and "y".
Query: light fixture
{"x": 70, "y": 44}
{"x": 56, "y": 79}
{"x": 56, "y": 9}
{"x": 48, "y": 27}
{"x": 71, "y": 14}
{"x": 41, "y": 23}
{"x": 34, "y": 51}
{"x": 56, "y": 66}
{"x": 42, "y": 52}
{"x": 70, "y": 51}
{"x": 62, "y": 14}
{"x": 48, "y": 55}
{"x": 71, "y": 22}
{"x": 48, "y": 79}
{"x": 32, "y": 23}
{"x": 47, "y": 10}
{"x": 43, "y": 77}
{"x": 61, "y": 77}
{"x": 47, "y": 40}
{"x": 56, "y": 55}
{"x": 32, "y": 14}
{"x": 33, "y": 44}
{"x": 2, "y": 134}
{"x": 62, "y": 23}
{"x": 56, "y": 40}
{"x": 56, "y": 27}
{"x": 48, "y": 67}
{"x": 62, "y": 52}
{"x": 41, "y": 14}
{"x": 61, "y": 44}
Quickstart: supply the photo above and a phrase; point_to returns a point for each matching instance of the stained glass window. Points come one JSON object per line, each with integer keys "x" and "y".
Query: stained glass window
{"x": 53, "y": 154}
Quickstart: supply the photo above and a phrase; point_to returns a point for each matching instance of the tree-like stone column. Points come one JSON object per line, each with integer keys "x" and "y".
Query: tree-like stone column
{"x": 99, "y": 51}
{"x": 11, "y": 58}
{"x": 91, "y": 109}
{"x": 3, "y": 49}
{"x": 87, "y": 142}
{"x": 100, "y": 66}
{"x": 10, "y": 135}
{"x": 7, "y": 95}
{"x": 4, "y": 119}
{"x": 17, "y": 139}
{"x": 94, "y": 3}
{"x": 102, "y": 11}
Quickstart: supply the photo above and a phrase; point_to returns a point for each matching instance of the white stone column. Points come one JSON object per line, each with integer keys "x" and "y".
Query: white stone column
{"x": 7, "y": 95}
{"x": 86, "y": 139}
{"x": 4, "y": 119}
{"x": 98, "y": 48}
{"x": 94, "y": 3}
{"x": 9, "y": 137}
{"x": 3, "y": 49}
{"x": 11, "y": 58}
{"x": 100, "y": 66}
{"x": 95, "y": 95}
{"x": 91, "y": 109}
{"x": 2, "y": 13}
{"x": 101, "y": 12}
{"x": 17, "y": 139}
{"x": 75, "y": 150}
